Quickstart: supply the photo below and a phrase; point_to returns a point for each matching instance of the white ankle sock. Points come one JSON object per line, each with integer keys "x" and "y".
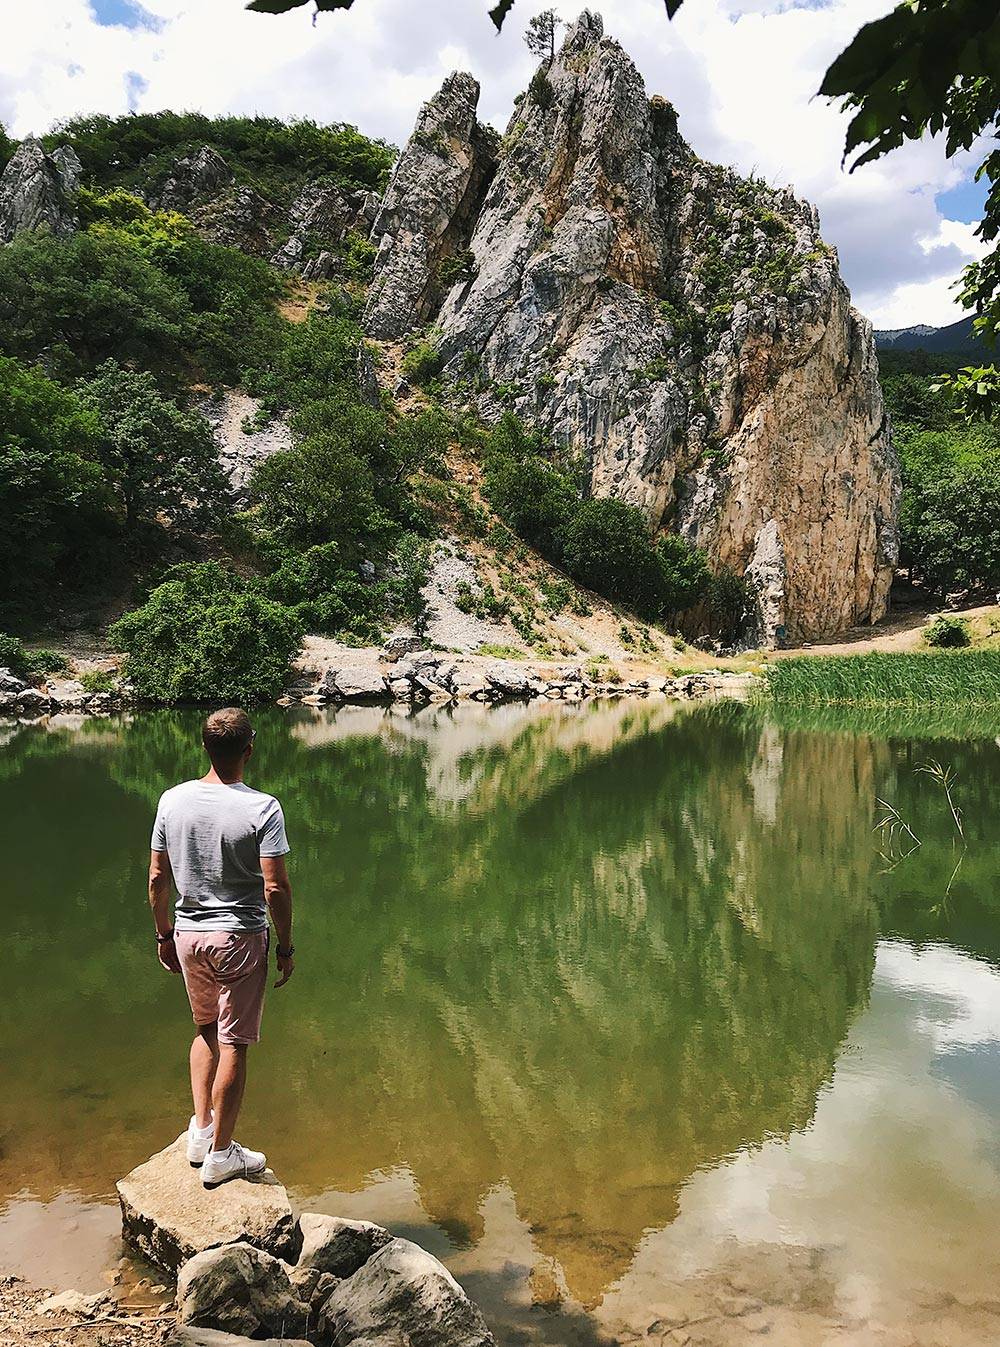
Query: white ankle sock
{"x": 207, "y": 1128}
{"x": 221, "y": 1155}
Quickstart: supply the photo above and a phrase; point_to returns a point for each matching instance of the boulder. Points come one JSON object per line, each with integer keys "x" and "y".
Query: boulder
{"x": 339, "y": 1246}
{"x": 168, "y": 1216}
{"x": 11, "y": 682}
{"x": 32, "y": 703}
{"x": 354, "y": 685}
{"x": 311, "y": 1285}
{"x": 187, "y": 1335}
{"x": 289, "y": 255}
{"x": 403, "y": 1294}
{"x": 321, "y": 267}
{"x": 240, "y": 1289}
{"x": 429, "y": 209}
{"x": 36, "y": 191}
{"x": 397, "y": 646}
{"x": 506, "y": 681}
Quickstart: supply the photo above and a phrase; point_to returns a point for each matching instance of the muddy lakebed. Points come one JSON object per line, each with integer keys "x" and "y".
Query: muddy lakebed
{"x": 629, "y": 1011}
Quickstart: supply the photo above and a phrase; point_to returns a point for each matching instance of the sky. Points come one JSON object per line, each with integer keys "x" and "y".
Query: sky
{"x": 741, "y": 73}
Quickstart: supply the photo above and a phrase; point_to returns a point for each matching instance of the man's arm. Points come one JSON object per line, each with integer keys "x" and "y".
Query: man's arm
{"x": 160, "y": 883}
{"x": 278, "y": 892}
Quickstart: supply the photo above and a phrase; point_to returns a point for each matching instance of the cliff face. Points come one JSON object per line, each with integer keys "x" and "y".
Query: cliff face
{"x": 683, "y": 330}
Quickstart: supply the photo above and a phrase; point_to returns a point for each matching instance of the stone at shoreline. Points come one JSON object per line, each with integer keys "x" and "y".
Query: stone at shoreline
{"x": 76, "y": 1303}
{"x": 187, "y": 1335}
{"x": 240, "y": 1289}
{"x": 403, "y": 1294}
{"x": 168, "y": 1216}
{"x": 10, "y": 682}
{"x": 341, "y": 1247}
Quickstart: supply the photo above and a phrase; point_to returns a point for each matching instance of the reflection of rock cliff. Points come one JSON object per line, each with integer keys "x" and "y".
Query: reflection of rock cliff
{"x": 684, "y": 330}
{"x": 636, "y": 964}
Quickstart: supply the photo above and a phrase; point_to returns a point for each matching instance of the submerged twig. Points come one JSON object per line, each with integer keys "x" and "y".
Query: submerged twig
{"x": 893, "y": 829}
{"x": 946, "y": 777}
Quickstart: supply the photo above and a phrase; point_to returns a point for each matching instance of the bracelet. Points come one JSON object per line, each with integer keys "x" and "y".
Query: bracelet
{"x": 285, "y": 953}
{"x": 166, "y": 938}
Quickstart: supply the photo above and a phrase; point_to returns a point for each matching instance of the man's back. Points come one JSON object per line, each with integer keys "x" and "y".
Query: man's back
{"x": 215, "y": 835}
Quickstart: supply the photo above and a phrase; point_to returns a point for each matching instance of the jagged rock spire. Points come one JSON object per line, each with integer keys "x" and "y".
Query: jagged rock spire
{"x": 36, "y": 190}
{"x": 430, "y": 208}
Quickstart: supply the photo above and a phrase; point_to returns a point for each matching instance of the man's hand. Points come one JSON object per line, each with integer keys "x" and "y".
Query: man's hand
{"x": 166, "y": 952}
{"x": 286, "y": 967}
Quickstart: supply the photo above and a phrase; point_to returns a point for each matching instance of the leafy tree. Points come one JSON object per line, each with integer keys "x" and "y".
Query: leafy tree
{"x": 933, "y": 65}
{"x": 527, "y": 492}
{"x": 319, "y": 492}
{"x": 540, "y": 35}
{"x": 72, "y": 303}
{"x": 203, "y": 636}
{"x": 53, "y": 500}
{"x": 160, "y": 461}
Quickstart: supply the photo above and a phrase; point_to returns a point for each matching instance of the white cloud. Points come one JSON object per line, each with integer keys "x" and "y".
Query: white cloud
{"x": 742, "y": 74}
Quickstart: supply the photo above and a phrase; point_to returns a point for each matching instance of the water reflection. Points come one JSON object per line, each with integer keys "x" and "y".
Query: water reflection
{"x": 576, "y": 991}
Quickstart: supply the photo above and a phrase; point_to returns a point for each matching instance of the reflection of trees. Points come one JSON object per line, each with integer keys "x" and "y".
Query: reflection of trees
{"x": 626, "y": 946}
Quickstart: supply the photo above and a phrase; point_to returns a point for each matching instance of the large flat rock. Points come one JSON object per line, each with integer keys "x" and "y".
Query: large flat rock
{"x": 168, "y": 1215}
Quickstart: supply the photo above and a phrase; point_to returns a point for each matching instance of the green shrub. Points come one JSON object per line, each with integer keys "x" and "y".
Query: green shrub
{"x": 45, "y": 661}
{"x": 946, "y": 631}
{"x": 13, "y": 656}
{"x": 203, "y": 636}
{"x": 459, "y": 267}
{"x": 99, "y": 680}
{"x": 422, "y": 363}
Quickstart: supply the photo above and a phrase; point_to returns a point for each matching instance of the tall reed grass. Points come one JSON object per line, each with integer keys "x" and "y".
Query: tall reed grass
{"x": 945, "y": 677}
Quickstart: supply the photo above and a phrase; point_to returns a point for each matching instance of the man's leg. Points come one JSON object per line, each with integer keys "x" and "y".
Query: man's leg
{"x": 227, "y": 1092}
{"x": 204, "y": 1063}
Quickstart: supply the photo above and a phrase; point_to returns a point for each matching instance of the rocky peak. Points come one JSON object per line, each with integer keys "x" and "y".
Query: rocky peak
{"x": 200, "y": 175}
{"x": 430, "y": 209}
{"x": 36, "y": 190}
{"x": 682, "y": 330}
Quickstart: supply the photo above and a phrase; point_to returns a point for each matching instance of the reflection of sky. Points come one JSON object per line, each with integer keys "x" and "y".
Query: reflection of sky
{"x": 955, "y": 998}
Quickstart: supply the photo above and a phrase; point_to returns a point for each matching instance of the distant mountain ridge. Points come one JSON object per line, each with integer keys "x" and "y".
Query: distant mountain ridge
{"x": 958, "y": 336}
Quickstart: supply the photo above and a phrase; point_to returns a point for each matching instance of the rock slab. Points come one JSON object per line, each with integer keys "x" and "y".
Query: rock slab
{"x": 403, "y": 1294}
{"x": 168, "y": 1216}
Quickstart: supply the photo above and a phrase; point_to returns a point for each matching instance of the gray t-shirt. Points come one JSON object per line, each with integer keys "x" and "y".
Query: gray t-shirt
{"x": 215, "y": 836}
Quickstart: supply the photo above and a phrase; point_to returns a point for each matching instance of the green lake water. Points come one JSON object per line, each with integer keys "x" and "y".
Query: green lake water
{"x": 625, "y": 1011}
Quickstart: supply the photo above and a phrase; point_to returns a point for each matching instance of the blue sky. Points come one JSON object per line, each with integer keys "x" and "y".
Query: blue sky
{"x": 741, "y": 73}
{"x": 122, "y": 14}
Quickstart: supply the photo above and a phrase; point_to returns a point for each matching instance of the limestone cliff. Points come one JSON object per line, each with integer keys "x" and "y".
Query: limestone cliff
{"x": 683, "y": 330}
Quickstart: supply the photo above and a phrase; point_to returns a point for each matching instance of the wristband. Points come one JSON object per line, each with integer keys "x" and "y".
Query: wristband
{"x": 165, "y": 938}
{"x": 285, "y": 953}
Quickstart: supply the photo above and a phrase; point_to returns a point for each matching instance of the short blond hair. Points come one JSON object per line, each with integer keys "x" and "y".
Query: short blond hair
{"x": 227, "y": 735}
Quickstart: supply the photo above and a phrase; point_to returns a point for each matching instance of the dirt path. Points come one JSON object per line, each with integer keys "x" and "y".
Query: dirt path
{"x": 901, "y": 630}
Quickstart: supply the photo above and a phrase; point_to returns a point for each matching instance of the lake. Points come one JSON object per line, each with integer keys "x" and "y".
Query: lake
{"x": 626, "y": 1011}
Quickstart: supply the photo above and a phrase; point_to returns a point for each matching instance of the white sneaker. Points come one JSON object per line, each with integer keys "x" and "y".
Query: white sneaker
{"x": 234, "y": 1163}
{"x": 199, "y": 1142}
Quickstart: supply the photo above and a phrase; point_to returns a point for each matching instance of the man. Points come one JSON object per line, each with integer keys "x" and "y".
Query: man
{"x": 222, "y": 845}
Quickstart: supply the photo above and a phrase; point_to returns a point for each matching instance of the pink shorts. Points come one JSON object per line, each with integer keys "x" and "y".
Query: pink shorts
{"x": 225, "y": 973}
